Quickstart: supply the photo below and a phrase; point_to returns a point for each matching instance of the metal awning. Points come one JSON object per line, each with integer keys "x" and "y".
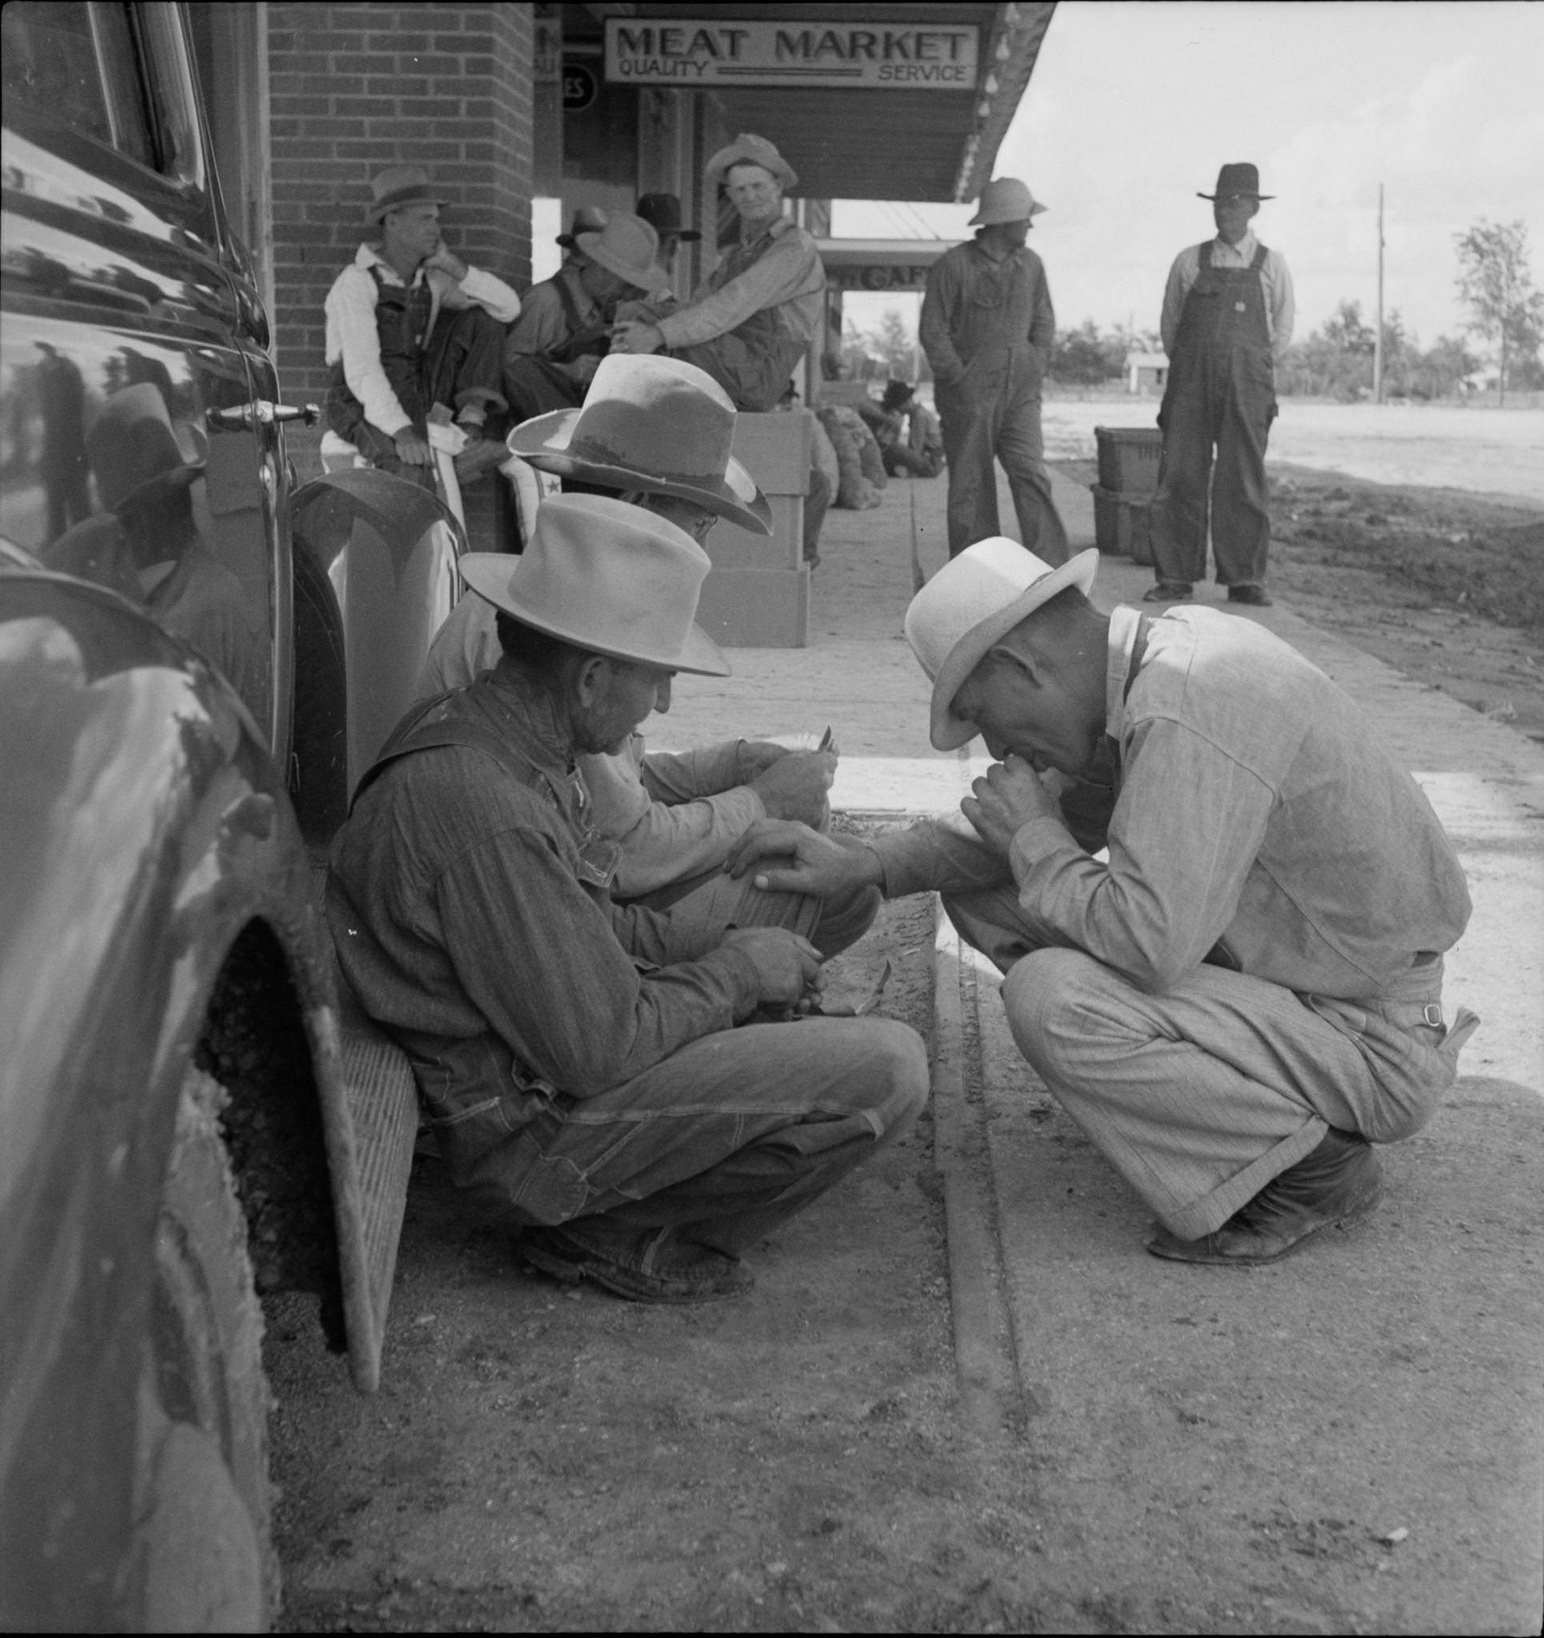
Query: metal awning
{"x": 930, "y": 143}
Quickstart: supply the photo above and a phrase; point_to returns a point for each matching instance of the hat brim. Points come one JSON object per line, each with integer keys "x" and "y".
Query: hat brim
{"x": 377, "y": 213}
{"x": 648, "y": 279}
{"x": 543, "y": 441}
{"x": 978, "y": 220}
{"x": 734, "y": 154}
{"x": 1243, "y": 193}
{"x": 487, "y": 573}
{"x": 948, "y": 731}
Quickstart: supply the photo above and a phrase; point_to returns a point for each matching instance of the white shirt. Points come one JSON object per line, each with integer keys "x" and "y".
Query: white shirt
{"x": 1280, "y": 311}
{"x": 353, "y": 337}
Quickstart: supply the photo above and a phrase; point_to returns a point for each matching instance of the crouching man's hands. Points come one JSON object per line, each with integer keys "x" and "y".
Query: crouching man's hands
{"x": 787, "y": 966}
{"x": 787, "y": 857}
{"x": 1010, "y": 794}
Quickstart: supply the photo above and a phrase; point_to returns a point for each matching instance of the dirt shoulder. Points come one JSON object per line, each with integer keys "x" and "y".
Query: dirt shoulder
{"x": 1444, "y": 586}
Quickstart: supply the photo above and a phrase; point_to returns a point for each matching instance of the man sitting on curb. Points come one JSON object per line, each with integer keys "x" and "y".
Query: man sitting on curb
{"x": 1247, "y": 993}
{"x": 659, "y": 432}
{"x": 409, "y": 325}
{"x": 751, "y": 320}
{"x": 578, "y": 1059}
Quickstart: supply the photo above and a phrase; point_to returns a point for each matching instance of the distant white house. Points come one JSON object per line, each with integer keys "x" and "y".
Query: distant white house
{"x": 1146, "y": 372}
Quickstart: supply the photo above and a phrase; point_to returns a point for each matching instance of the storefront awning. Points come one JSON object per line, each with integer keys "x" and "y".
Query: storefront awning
{"x": 898, "y": 101}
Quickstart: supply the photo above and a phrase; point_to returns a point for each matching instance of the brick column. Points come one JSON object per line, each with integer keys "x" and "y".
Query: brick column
{"x": 354, "y": 88}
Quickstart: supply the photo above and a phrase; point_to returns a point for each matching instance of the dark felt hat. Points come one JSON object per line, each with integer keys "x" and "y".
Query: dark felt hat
{"x": 662, "y": 211}
{"x": 1237, "y": 179}
{"x": 400, "y": 185}
{"x": 587, "y": 219}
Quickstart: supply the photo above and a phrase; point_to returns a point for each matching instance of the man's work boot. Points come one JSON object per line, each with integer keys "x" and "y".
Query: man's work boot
{"x": 643, "y": 1265}
{"x": 1335, "y": 1186}
{"x": 1167, "y": 591}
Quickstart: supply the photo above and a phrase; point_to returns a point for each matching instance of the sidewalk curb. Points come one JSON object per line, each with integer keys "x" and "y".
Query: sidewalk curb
{"x": 991, "y": 1389}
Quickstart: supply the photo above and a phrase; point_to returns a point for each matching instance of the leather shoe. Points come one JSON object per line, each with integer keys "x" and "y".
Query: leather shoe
{"x": 1167, "y": 591}
{"x": 1257, "y": 596}
{"x": 1337, "y": 1185}
{"x": 648, "y": 1265}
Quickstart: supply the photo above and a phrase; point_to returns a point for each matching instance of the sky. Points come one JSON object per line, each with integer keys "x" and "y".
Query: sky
{"x": 1134, "y": 104}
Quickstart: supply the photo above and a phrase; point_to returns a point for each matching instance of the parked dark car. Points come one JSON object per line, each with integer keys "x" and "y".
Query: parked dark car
{"x": 189, "y": 1115}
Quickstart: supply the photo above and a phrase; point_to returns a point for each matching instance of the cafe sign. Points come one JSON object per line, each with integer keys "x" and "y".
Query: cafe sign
{"x": 693, "y": 52}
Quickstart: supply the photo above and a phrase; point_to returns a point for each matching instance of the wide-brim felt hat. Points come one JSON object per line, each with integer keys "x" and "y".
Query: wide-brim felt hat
{"x": 662, "y": 211}
{"x": 1239, "y": 178}
{"x": 649, "y": 423}
{"x": 976, "y": 599}
{"x": 136, "y": 453}
{"x": 626, "y": 246}
{"x": 750, "y": 149}
{"x": 398, "y": 186}
{"x": 608, "y": 577}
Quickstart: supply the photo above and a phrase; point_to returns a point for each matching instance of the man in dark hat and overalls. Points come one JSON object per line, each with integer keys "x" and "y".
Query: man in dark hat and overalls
{"x": 1227, "y": 318}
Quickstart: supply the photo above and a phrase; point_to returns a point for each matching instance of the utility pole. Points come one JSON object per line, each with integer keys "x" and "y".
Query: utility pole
{"x": 1377, "y": 346}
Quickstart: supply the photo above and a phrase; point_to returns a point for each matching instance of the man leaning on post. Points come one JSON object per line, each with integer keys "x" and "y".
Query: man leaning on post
{"x": 580, "y": 1061}
{"x": 1244, "y": 996}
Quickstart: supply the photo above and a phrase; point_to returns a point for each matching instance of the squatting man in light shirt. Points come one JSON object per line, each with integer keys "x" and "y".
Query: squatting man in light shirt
{"x": 1244, "y": 995}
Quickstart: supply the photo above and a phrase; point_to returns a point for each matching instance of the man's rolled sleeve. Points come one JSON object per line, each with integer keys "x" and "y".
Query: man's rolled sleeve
{"x": 480, "y": 289}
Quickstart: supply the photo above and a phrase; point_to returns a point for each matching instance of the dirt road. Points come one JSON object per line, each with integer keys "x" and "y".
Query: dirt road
{"x": 1479, "y": 448}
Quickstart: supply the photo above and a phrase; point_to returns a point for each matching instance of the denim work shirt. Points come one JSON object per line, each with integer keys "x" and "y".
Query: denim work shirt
{"x": 1255, "y": 820}
{"x": 987, "y": 311}
{"x": 472, "y": 923}
{"x": 780, "y": 268}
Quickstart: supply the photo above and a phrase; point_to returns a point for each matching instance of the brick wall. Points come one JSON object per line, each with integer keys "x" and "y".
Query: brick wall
{"x": 354, "y": 88}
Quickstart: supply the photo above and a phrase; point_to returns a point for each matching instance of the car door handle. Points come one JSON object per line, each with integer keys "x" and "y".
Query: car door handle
{"x": 261, "y": 413}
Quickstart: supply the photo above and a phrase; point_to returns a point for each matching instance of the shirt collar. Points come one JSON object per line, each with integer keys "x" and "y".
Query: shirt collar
{"x": 1124, "y": 624}
{"x": 531, "y": 713}
{"x": 369, "y": 256}
{"x": 1245, "y": 248}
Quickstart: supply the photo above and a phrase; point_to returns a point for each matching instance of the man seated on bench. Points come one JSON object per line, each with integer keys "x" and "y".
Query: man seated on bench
{"x": 658, "y": 432}
{"x": 579, "y": 1059}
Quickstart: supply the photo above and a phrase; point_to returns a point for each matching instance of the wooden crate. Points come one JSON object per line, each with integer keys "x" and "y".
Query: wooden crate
{"x": 1121, "y": 524}
{"x": 1128, "y": 459}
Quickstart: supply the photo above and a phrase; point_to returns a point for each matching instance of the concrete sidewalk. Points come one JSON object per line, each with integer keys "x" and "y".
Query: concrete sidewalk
{"x": 1370, "y": 1414}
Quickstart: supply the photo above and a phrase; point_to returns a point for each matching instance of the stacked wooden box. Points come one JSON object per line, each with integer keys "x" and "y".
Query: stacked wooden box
{"x": 1128, "y": 480}
{"x": 757, "y": 594}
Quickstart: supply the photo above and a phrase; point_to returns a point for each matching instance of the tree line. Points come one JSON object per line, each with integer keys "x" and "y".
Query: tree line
{"x": 1504, "y": 315}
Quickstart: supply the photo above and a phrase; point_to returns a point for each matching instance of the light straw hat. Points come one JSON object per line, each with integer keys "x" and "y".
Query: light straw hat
{"x": 626, "y": 246}
{"x": 1005, "y": 199}
{"x": 607, "y": 577}
{"x": 975, "y": 599}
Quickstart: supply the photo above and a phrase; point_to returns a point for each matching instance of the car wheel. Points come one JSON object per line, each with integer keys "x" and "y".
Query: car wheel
{"x": 208, "y": 1562}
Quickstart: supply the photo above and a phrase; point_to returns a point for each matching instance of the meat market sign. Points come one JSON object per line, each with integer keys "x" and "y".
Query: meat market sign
{"x": 690, "y": 52}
